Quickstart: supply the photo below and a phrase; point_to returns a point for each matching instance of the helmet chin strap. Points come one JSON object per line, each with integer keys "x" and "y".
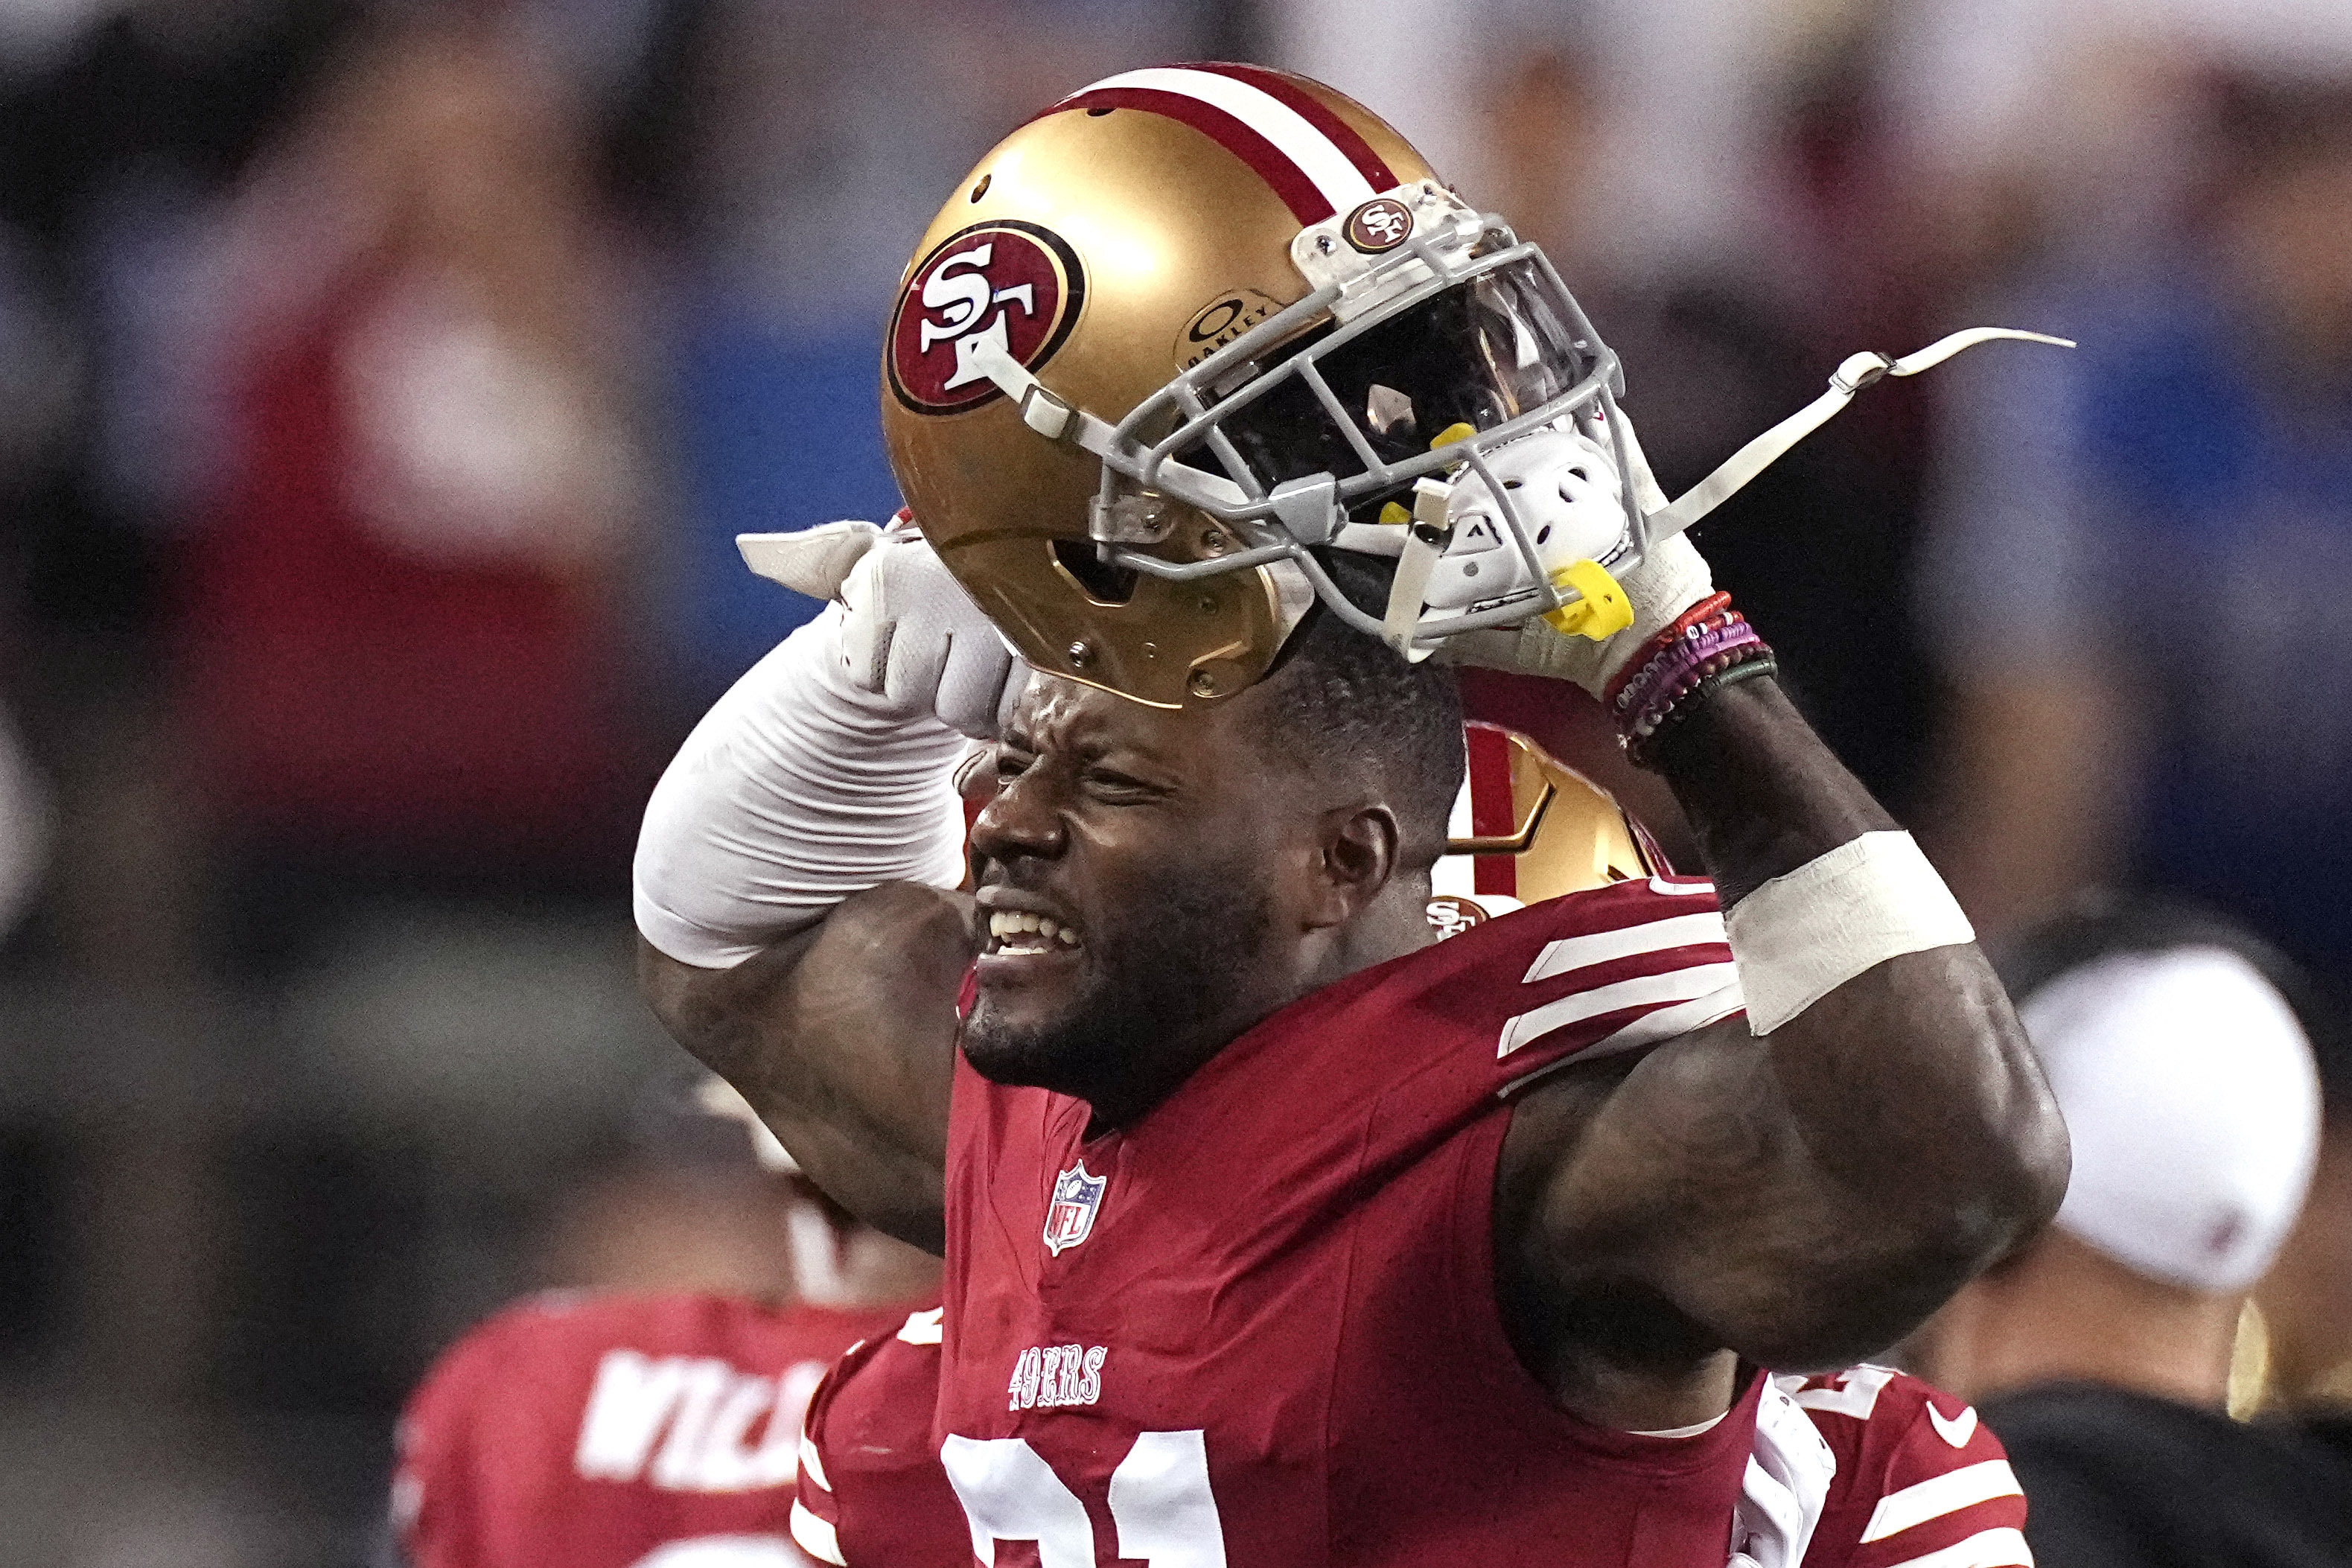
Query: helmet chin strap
{"x": 1418, "y": 545}
{"x": 1421, "y": 545}
{"x": 1857, "y": 371}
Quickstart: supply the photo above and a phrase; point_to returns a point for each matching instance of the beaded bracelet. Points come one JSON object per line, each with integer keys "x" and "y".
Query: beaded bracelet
{"x": 1643, "y": 750}
{"x": 1714, "y": 605}
{"x": 1708, "y": 647}
{"x": 1677, "y": 663}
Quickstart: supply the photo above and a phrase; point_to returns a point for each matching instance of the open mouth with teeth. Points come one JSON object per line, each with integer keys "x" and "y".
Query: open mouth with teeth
{"x": 1023, "y": 930}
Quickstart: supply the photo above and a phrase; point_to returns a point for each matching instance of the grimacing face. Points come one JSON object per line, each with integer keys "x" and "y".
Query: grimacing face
{"x": 1130, "y": 883}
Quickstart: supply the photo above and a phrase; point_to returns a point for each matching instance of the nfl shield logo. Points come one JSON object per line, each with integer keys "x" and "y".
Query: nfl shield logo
{"x": 1071, "y": 1215}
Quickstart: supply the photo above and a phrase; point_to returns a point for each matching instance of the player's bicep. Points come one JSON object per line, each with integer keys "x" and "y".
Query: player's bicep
{"x": 843, "y": 1039}
{"x": 1696, "y": 1180}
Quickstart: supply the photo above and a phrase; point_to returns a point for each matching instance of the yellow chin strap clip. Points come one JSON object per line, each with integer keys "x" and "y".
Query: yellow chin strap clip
{"x": 1603, "y": 612}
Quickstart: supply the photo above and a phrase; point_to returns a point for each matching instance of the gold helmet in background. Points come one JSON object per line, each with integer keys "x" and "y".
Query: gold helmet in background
{"x": 1193, "y": 322}
{"x": 1527, "y": 827}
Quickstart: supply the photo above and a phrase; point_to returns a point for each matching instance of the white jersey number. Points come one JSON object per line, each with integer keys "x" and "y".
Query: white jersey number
{"x": 1160, "y": 1500}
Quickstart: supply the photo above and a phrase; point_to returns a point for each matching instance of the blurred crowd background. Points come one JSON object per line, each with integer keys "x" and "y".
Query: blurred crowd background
{"x": 381, "y": 386}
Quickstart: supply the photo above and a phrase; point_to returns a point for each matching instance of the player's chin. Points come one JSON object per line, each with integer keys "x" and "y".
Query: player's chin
{"x": 1005, "y": 1045}
{"x": 1027, "y": 996}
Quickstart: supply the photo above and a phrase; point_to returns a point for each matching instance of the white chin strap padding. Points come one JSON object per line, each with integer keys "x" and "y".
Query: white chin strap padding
{"x": 1424, "y": 545}
{"x": 1569, "y": 501}
{"x": 1858, "y": 371}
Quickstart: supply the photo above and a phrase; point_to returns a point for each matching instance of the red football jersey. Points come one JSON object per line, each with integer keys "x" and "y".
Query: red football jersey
{"x": 872, "y": 1493}
{"x": 1916, "y": 1488}
{"x": 611, "y": 1431}
{"x": 1258, "y": 1327}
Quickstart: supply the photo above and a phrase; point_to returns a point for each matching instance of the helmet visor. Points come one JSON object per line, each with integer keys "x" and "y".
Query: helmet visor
{"x": 1482, "y": 352}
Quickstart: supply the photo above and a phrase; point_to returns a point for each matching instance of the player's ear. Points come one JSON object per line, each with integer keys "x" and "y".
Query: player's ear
{"x": 1356, "y": 855}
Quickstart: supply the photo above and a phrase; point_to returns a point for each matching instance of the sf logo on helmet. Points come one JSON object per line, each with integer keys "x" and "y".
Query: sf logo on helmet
{"x": 1015, "y": 285}
{"x": 1381, "y": 224}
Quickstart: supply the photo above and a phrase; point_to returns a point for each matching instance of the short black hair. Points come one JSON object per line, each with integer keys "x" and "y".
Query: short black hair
{"x": 2105, "y": 921}
{"x": 1343, "y": 704}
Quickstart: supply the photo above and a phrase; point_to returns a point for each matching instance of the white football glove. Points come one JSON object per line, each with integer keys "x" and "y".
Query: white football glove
{"x": 830, "y": 767}
{"x": 1572, "y": 480}
{"x": 909, "y": 634}
{"x": 1786, "y": 1486}
{"x": 1565, "y": 489}
{"x": 1665, "y": 583}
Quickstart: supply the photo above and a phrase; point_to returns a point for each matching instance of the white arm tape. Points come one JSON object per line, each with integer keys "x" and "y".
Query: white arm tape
{"x": 1800, "y": 936}
{"x": 797, "y": 790}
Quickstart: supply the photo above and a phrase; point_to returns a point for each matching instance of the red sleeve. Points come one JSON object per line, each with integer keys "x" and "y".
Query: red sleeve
{"x": 1921, "y": 1483}
{"x": 816, "y": 1513}
{"x": 872, "y": 1491}
{"x": 433, "y": 1507}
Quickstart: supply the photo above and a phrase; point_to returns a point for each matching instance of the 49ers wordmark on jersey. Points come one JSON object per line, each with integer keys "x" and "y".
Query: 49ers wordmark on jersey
{"x": 1017, "y": 285}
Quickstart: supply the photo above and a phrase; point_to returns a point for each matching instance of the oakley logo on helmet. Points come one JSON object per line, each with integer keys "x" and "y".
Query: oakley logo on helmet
{"x": 1014, "y": 284}
{"x": 1220, "y": 321}
{"x": 1381, "y": 224}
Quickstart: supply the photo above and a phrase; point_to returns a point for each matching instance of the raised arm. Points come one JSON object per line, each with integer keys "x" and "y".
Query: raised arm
{"x": 799, "y": 928}
{"x": 1806, "y": 1197}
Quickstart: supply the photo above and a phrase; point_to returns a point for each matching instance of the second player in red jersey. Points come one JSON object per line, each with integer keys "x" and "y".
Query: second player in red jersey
{"x": 591, "y": 1432}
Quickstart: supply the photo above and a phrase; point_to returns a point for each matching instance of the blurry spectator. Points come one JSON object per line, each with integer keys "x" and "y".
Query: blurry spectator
{"x": 1728, "y": 316}
{"x": 2306, "y": 1300}
{"x": 2101, "y": 1353}
{"x": 2026, "y": 126}
{"x": 400, "y": 654}
{"x": 658, "y": 1412}
{"x": 2145, "y": 563}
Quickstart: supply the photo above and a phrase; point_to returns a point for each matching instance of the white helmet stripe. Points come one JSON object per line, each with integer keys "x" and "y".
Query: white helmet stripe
{"x": 1290, "y": 133}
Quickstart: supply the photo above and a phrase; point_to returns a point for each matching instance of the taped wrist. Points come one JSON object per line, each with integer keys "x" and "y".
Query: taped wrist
{"x": 796, "y": 791}
{"x": 1800, "y": 936}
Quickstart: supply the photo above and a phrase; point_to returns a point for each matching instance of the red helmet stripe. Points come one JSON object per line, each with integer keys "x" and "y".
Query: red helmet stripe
{"x": 1292, "y": 149}
{"x": 1316, "y": 112}
{"x": 1306, "y": 200}
{"x": 1492, "y": 813}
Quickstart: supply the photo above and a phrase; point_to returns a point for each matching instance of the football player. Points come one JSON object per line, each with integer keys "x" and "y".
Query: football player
{"x": 613, "y": 1430}
{"x": 1277, "y": 1234}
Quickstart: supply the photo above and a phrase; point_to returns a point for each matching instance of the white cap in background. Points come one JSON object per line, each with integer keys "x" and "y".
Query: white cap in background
{"x": 2190, "y": 1094}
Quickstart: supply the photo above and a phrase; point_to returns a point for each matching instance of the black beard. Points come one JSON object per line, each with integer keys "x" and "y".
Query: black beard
{"x": 1151, "y": 982}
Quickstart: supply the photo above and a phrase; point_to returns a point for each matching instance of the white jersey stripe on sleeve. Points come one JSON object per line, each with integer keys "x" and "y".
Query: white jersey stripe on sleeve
{"x": 1667, "y": 1022}
{"x": 816, "y": 1538}
{"x": 1291, "y": 134}
{"x": 1574, "y": 953}
{"x": 1940, "y": 1495}
{"x": 1642, "y": 990}
{"x": 1663, "y": 1024}
{"x": 812, "y": 1467}
{"x": 2001, "y": 1548}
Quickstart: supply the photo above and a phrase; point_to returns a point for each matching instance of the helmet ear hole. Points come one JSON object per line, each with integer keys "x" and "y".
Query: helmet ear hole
{"x": 1101, "y": 581}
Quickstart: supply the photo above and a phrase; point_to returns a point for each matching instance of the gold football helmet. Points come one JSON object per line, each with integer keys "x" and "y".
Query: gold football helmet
{"x": 1191, "y": 321}
{"x": 1194, "y": 324}
{"x": 1528, "y": 828}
